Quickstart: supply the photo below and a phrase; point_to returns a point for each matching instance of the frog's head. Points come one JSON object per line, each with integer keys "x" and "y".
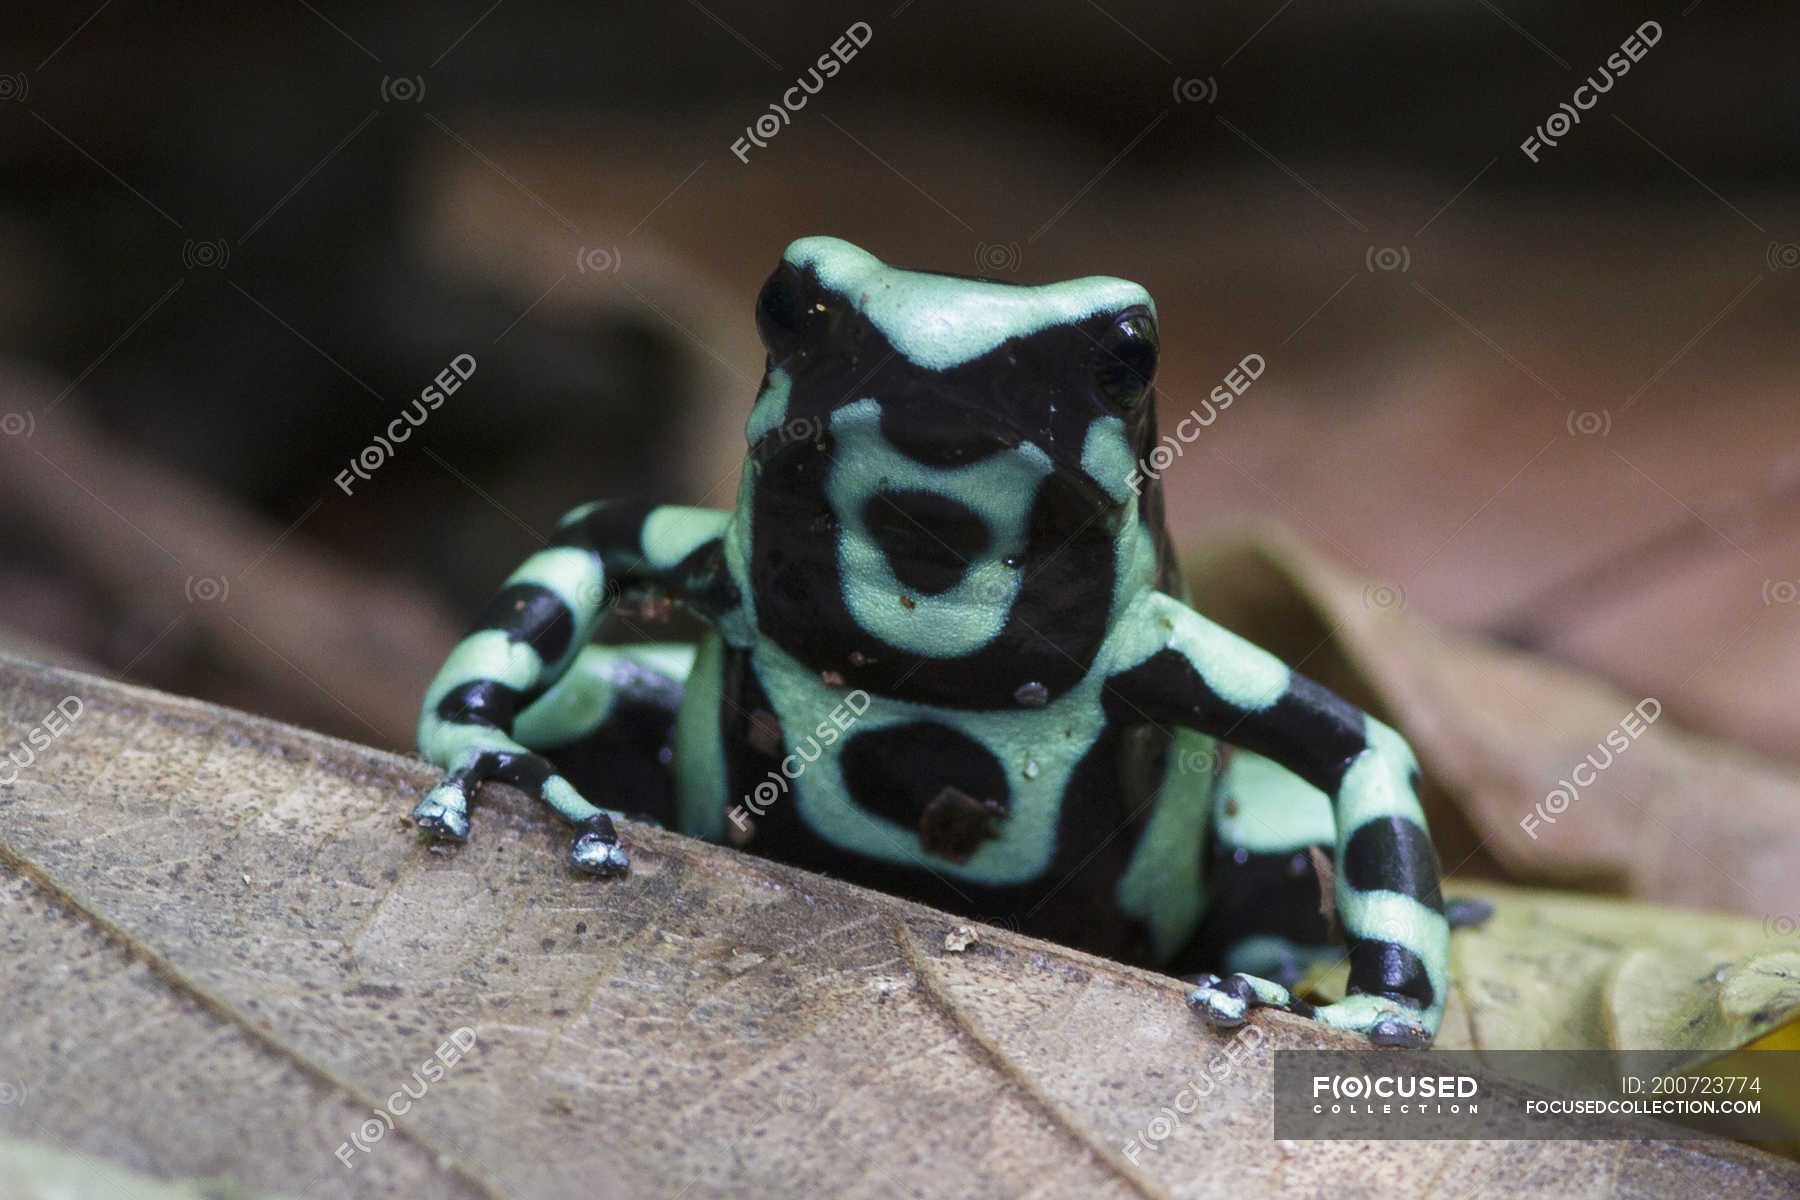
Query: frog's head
{"x": 949, "y": 370}
{"x": 955, "y": 454}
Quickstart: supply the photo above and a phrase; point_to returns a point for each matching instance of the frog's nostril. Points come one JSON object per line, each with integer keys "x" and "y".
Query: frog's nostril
{"x": 929, "y": 540}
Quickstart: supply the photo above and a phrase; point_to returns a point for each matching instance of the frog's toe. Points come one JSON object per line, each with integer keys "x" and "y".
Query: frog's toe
{"x": 444, "y": 813}
{"x": 1221, "y": 1003}
{"x": 1467, "y": 913}
{"x": 1384, "y": 1021}
{"x": 1219, "y": 1008}
{"x": 1226, "y": 1003}
{"x": 1400, "y": 1031}
{"x": 597, "y": 850}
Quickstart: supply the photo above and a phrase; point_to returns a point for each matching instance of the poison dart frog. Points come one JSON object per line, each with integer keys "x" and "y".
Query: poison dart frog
{"x": 949, "y": 656}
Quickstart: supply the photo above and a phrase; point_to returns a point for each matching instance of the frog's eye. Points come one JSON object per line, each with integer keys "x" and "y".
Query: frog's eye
{"x": 1126, "y": 361}
{"x": 782, "y": 311}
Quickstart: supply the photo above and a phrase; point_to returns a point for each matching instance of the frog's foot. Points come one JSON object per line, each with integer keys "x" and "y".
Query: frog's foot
{"x": 1382, "y": 1019}
{"x": 597, "y": 851}
{"x": 444, "y": 812}
{"x": 1226, "y": 1004}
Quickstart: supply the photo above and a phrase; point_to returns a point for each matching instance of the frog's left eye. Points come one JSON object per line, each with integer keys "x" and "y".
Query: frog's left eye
{"x": 781, "y": 311}
{"x": 1126, "y": 361}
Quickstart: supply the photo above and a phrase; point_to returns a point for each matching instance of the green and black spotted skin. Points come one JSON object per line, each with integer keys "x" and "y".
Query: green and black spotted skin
{"x": 950, "y": 657}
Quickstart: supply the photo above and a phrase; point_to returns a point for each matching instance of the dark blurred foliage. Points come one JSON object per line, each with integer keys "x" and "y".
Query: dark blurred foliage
{"x": 139, "y": 138}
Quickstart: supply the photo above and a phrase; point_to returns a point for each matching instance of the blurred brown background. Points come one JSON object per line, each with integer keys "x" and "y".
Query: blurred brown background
{"x": 1550, "y": 401}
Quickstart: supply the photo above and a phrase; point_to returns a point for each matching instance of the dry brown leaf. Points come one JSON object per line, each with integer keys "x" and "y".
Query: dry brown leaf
{"x": 1717, "y": 1004}
{"x": 228, "y": 949}
{"x": 1676, "y": 817}
{"x": 1566, "y": 971}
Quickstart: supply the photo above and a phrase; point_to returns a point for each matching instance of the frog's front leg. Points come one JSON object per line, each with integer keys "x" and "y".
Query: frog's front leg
{"x": 528, "y": 637}
{"x": 1176, "y": 667}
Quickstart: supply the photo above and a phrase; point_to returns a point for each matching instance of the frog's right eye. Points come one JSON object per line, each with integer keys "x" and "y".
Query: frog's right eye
{"x": 782, "y": 311}
{"x": 1126, "y": 356}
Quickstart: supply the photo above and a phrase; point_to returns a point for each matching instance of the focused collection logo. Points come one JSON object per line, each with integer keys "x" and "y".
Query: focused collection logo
{"x": 1395, "y": 1095}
